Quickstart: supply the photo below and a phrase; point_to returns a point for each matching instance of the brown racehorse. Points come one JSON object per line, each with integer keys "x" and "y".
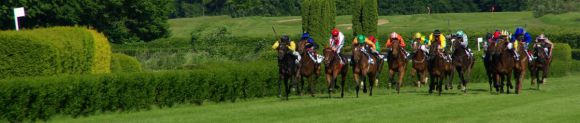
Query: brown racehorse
{"x": 462, "y": 62}
{"x": 362, "y": 69}
{"x": 287, "y": 68}
{"x": 439, "y": 69}
{"x": 540, "y": 63}
{"x": 397, "y": 64}
{"x": 520, "y": 67}
{"x": 334, "y": 68}
{"x": 420, "y": 66}
{"x": 308, "y": 69}
{"x": 503, "y": 63}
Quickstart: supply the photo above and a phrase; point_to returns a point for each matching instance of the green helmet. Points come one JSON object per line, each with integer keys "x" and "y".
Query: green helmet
{"x": 361, "y": 39}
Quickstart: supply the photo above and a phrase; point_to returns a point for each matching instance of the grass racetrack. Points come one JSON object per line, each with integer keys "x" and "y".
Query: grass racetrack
{"x": 557, "y": 101}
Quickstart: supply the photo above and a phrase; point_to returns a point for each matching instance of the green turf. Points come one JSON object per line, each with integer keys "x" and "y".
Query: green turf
{"x": 480, "y": 22}
{"x": 558, "y": 101}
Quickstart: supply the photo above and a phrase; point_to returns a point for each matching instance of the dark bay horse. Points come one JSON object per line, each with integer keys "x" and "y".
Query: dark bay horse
{"x": 362, "y": 69}
{"x": 540, "y": 63}
{"x": 420, "y": 66}
{"x": 487, "y": 63}
{"x": 397, "y": 64}
{"x": 287, "y": 68}
{"x": 308, "y": 69}
{"x": 439, "y": 69}
{"x": 462, "y": 62}
{"x": 520, "y": 66}
{"x": 334, "y": 68}
{"x": 503, "y": 64}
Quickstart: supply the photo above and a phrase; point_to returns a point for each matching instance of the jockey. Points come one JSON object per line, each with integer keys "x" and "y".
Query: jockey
{"x": 496, "y": 35}
{"x": 395, "y": 36}
{"x": 336, "y": 42}
{"x": 437, "y": 36}
{"x": 520, "y": 36}
{"x": 419, "y": 43}
{"x": 543, "y": 39}
{"x": 291, "y": 46}
{"x": 311, "y": 47}
{"x": 464, "y": 42}
{"x": 362, "y": 40}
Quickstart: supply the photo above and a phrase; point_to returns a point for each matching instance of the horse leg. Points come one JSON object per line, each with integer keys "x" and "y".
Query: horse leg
{"x": 440, "y": 84}
{"x": 286, "y": 88}
{"x": 311, "y": 85}
{"x": 280, "y": 86}
{"x": 342, "y": 86}
{"x": 509, "y": 83}
{"x": 364, "y": 79}
{"x": 431, "y": 84}
{"x": 357, "y": 83}
{"x": 392, "y": 78}
{"x": 463, "y": 82}
{"x": 400, "y": 81}
{"x": 371, "y": 83}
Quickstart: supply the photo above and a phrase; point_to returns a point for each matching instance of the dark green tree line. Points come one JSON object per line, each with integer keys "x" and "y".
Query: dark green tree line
{"x": 120, "y": 20}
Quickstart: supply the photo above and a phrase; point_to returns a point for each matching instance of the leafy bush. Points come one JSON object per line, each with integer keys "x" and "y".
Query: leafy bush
{"x": 40, "y": 98}
{"x": 124, "y": 63}
{"x": 102, "y": 54}
{"x": 561, "y": 60}
{"x": 50, "y": 51}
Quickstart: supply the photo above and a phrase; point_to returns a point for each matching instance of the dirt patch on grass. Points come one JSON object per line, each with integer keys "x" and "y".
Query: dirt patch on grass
{"x": 289, "y": 20}
{"x": 382, "y": 22}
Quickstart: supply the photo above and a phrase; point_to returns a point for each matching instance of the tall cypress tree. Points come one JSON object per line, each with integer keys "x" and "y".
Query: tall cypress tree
{"x": 318, "y": 18}
{"x": 365, "y": 17}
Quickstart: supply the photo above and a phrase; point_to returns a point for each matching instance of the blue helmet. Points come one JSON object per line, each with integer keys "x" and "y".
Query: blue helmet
{"x": 310, "y": 40}
{"x": 305, "y": 35}
{"x": 519, "y": 31}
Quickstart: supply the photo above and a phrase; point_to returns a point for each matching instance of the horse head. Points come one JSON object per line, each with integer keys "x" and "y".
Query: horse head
{"x": 329, "y": 55}
{"x": 282, "y": 50}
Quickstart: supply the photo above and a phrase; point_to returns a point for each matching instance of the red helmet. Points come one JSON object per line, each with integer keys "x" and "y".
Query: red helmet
{"x": 496, "y": 34}
{"x": 373, "y": 39}
{"x": 335, "y": 32}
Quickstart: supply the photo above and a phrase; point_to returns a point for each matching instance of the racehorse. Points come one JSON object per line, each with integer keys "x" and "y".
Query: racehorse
{"x": 287, "y": 68}
{"x": 503, "y": 64}
{"x": 308, "y": 69}
{"x": 397, "y": 64}
{"x": 462, "y": 61}
{"x": 520, "y": 66}
{"x": 540, "y": 63}
{"x": 439, "y": 69}
{"x": 489, "y": 68}
{"x": 362, "y": 69}
{"x": 334, "y": 65}
{"x": 420, "y": 66}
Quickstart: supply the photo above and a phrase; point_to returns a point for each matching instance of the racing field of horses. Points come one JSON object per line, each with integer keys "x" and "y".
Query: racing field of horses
{"x": 212, "y": 61}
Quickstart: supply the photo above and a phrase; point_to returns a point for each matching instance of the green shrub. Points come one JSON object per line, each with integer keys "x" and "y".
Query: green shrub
{"x": 102, "y": 54}
{"x": 40, "y": 98}
{"x": 125, "y": 63}
{"x": 561, "y": 60}
{"x": 50, "y": 51}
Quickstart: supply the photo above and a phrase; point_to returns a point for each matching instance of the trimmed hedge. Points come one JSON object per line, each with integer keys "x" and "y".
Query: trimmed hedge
{"x": 40, "y": 98}
{"x": 124, "y": 63}
{"x": 51, "y": 51}
{"x": 102, "y": 55}
{"x": 561, "y": 60}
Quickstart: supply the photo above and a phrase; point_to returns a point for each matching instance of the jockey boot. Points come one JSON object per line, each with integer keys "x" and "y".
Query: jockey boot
{"x": 298, "y": 57}
{"x": 516, "y": 55}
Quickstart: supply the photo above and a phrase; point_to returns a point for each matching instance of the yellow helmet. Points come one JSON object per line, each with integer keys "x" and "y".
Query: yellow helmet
{"x": 418, "y": 35}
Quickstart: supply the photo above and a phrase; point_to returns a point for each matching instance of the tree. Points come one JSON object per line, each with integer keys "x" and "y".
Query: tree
{"x": 120, "y": 20}
{"x": 365, "y": 18}
{"x": 318, "y": 18}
